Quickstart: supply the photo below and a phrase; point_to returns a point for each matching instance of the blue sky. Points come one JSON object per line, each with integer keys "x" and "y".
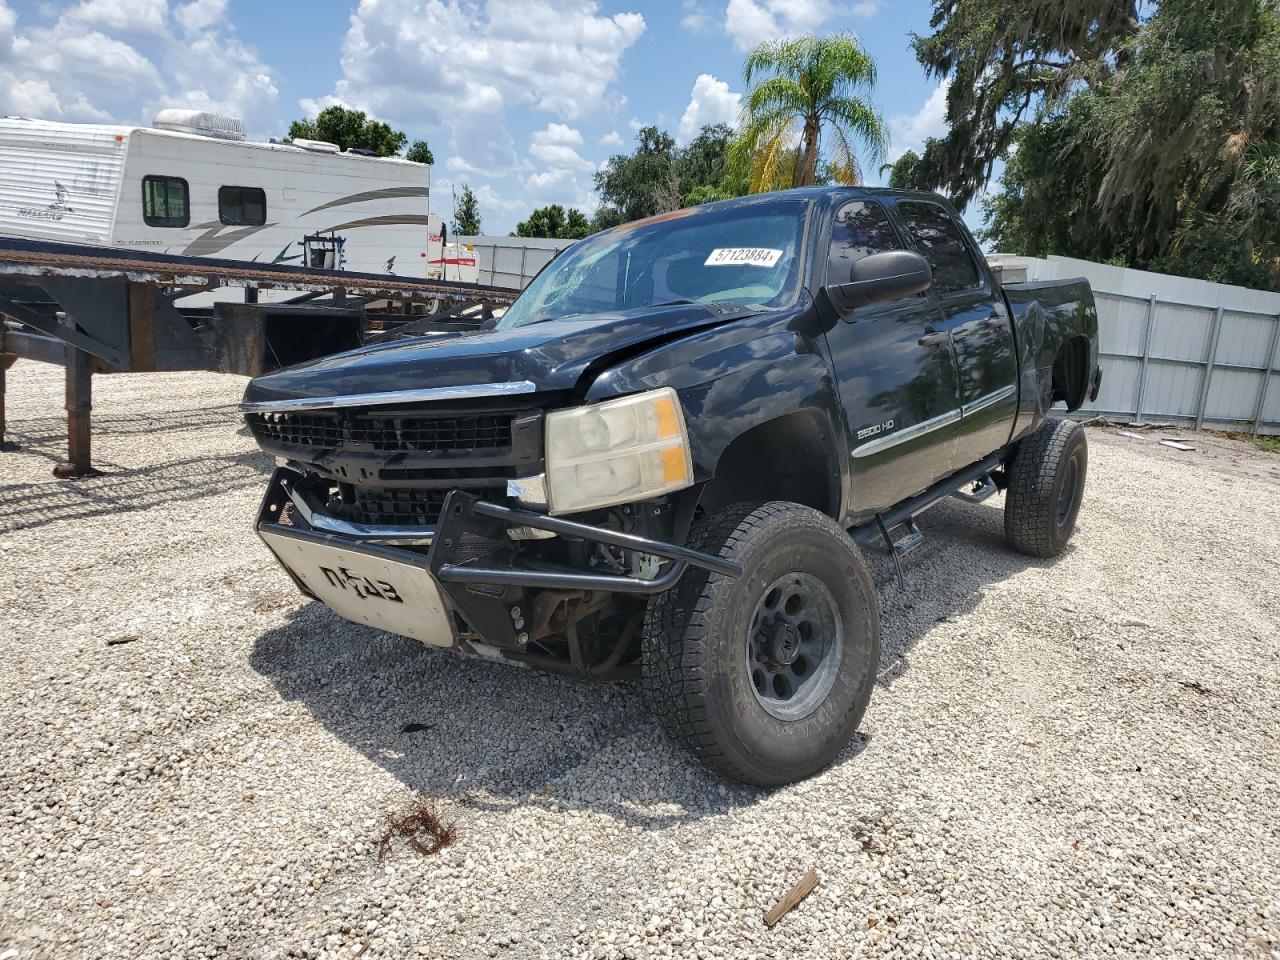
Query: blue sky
{"x": 522, "y": 99}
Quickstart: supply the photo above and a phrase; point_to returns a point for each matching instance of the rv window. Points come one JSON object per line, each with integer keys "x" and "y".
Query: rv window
{"x": 242, "y": 206}
{"x": 164, "y": 202}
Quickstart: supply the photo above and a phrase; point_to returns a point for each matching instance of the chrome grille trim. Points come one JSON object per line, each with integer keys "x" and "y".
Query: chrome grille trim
{"x": 425, "y": 395}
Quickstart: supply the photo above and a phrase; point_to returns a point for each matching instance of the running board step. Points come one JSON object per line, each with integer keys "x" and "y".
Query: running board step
{"x": 983, "y": 488}
{"x": 910, "y": 539}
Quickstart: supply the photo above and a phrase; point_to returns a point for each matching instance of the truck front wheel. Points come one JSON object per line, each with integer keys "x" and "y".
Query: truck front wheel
{"x": 765, "y": 678}
{"x": 1046, "y": 485}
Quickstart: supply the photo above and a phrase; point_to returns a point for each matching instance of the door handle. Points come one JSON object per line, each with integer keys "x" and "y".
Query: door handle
{"x": 933, "y": 339}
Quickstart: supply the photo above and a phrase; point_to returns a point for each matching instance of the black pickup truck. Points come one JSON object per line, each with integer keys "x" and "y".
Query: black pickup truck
{"x": 664, "y": 459}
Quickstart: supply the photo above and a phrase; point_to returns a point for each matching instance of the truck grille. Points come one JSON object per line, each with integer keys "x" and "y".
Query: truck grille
{"x": 406, "y": 506}
{"x": 385, "y": 432}
{"x": 395, "y": 467}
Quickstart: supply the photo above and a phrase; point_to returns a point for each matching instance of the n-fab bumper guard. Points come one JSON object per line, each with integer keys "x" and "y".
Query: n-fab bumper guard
{"x": 478, "y": 569}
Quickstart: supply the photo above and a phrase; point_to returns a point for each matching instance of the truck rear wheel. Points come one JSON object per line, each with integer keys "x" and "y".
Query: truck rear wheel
{"x": 1046, "y": 485}
{"x": 765, "y": 678}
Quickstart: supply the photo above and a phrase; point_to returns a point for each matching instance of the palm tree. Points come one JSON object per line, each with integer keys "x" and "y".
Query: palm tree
{"x": 797, "y": 91}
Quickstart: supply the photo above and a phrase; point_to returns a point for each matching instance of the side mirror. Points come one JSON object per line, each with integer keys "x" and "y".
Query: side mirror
{"x": 881, "y": 277}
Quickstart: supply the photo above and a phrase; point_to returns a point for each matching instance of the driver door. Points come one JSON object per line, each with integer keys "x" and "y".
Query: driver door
{"x": 896, "y": 370}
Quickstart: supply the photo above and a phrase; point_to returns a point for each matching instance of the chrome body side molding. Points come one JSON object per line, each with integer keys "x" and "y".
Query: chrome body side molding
{"x": 887, "y": 441}
{"x": 991, "y": 399}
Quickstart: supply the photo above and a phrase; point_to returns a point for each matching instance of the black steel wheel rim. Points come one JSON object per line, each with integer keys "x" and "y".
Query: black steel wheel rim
{"x": 795, "y": 642}
{"x": 1067, "y": 499}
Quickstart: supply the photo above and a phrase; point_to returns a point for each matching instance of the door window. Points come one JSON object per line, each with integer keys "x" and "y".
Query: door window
{"x": 242, "y": 206}
{"x": 942, "y": 244}
{"x": 164, "y": 202}
{"x": 861, "y": 229}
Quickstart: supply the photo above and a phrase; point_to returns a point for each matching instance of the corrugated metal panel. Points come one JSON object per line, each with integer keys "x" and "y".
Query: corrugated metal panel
{"x": 1120, "y": 384}
{"x": 1172, "y": 391}
{"x": 1271, "y": 413}
{"x": 58, "y": 181}
{"x": 512, "y": 261}
{"x": 1233, "y": 394}
{"x": 1180, "y": 333}
{"x": 1245, "y": 338}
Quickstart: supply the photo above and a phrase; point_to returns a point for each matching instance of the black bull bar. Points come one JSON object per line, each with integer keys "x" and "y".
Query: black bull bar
{"x": 480, "y": 569}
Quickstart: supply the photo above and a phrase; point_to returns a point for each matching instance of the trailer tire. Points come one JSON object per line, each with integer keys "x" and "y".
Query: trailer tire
{"x": 764, "y": 678}
{"x": 1045, "y": 488}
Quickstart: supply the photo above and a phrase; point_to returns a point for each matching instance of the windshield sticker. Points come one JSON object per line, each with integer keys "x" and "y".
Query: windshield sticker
{"x": 739, "y": 256}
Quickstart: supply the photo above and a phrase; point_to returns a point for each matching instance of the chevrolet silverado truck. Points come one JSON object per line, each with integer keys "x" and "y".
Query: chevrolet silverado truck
{"x": 665, "y": 459}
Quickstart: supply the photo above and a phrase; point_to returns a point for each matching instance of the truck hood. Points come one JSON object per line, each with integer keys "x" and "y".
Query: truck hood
{"x": 551, "y": 355}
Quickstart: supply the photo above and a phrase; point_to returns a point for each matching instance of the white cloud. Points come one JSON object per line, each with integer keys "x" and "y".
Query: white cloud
{"x": 8, "y": 19}
{"x": 461, "y": 65}
{"x": 564, "y": 177}
{"x": 557, "y": 134}
{"x": 910, "y": 131}
{"x": 865, "y": 8}
{"x": 711, "y": 101}
{"x": 695, "y": 16}
{"x": 560, "y": 157}
{"x": 560, "y": 186}
{"x": 79, "y": 68}
{"x": 750, "y": 22}
{"x": 554, "y": 146}
{"x": 200, "y": 14}
{"x": 125, "y": 16}
{"x": 611, "y": 139}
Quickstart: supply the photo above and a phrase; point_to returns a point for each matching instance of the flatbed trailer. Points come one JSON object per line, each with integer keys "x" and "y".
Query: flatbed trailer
{"x": 106, "y": 310}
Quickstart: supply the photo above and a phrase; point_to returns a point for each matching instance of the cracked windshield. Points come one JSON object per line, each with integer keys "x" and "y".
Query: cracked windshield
{"x": 746, "y": 255}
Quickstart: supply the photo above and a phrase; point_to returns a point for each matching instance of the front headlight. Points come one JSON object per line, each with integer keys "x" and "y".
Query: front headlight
{"x": 617, "y": 452}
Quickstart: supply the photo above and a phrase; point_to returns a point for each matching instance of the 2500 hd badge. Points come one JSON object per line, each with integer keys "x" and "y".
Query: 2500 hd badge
{"x": 656, "y": 463}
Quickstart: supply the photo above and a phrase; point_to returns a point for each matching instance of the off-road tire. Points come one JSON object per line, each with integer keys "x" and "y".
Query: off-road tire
{"x": 1042, "y": 499}
{"x": 695, "y": 657}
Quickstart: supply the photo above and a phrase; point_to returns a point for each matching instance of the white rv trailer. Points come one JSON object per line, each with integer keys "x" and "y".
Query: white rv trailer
{"x": 192, "y": 185}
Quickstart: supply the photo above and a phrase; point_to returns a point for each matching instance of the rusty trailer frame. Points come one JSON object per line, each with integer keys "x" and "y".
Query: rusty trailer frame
{"x": 99, "y": 310}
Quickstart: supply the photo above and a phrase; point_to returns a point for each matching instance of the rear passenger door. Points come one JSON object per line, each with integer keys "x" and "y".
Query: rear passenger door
{"x": 896, "y": 373}
{"x": 974, "y": 314}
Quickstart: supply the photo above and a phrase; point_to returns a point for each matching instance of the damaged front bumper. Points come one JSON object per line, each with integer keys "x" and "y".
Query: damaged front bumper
{"x": 464, "y": 583}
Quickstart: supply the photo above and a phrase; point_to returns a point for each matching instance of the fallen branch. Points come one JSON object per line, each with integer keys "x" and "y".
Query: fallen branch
{"x": 804, "y": 886}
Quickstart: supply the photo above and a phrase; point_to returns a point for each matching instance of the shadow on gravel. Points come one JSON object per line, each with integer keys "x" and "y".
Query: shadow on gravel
{"x": 120, "y": 490}
{"x": 493, "y": 736}
{"x": 41, "y": 432}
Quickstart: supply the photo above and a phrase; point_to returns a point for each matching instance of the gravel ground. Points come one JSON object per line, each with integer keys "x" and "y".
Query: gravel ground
{"x": 1061, "y": 759}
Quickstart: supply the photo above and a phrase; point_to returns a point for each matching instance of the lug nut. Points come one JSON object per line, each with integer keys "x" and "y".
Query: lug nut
{"x": 523, "y": 638}
{"x": 515, "y": 613}
{"x": 520, "y": 623}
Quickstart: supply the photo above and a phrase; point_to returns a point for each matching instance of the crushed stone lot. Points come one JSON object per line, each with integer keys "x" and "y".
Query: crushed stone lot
{"x": 1069, "y": 758}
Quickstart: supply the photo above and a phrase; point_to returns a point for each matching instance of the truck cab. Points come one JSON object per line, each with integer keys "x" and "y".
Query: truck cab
{"x": 667, "y": 457}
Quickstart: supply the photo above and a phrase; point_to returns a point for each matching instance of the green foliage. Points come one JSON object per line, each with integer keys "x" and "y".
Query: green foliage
{"x": 911, "y": 172}
{"x": 350, "y": 129}
{"x": 641, "y": 183}
{"x": 1006, "y": 59}
{"x": 555, "y": 222}
{"x": 799, "y": 90}
{"x": 419, "y": 152}
{"x": 1156, "y": 144}
{"x": 466, "y": 215}
{"x": 658, "y": 176}
{"x": 700, "y": 167}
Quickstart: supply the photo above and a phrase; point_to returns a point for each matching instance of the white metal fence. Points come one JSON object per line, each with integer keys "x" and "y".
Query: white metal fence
{"x": 512, "y": 261}
{"x": 1175, "y": 349}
